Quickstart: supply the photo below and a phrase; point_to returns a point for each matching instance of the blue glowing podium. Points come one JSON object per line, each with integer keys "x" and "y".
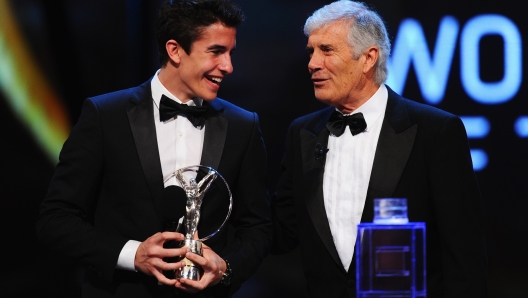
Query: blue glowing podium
{"x": 390, "y": 260}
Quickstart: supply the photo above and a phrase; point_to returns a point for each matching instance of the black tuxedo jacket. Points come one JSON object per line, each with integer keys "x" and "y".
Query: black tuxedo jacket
{"x": 108, "y": 184}
{"x": 422, "y": 155}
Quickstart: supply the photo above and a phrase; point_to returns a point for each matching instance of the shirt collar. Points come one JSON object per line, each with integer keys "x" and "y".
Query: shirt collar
{"x": 373, "y": 108}
{"x": 158, "y": 90}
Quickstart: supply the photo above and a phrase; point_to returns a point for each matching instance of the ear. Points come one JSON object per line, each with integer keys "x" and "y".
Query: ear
{"x": 371, "y": 57}
{"x": 174, "y": 51}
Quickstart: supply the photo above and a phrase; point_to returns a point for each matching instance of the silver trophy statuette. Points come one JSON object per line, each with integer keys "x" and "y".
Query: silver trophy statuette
{"x": 195, "y": 192}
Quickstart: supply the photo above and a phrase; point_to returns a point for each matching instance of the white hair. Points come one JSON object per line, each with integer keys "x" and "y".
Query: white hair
{"x": 366, "y": 29}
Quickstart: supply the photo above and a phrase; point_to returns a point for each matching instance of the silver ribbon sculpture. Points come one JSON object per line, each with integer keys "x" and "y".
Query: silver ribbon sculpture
{"x": 195, "y": 192}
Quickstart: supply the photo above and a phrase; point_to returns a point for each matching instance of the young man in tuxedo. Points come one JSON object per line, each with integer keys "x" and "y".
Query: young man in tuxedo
{"x": 372, "y": 143}
{"x": 105, "y": 207}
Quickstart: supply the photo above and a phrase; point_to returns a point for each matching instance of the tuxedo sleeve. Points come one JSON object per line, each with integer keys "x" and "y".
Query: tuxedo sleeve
{"x": 66, "y": 218}
{"x": 459, "y": 212}
{"x": 251, "y": 216}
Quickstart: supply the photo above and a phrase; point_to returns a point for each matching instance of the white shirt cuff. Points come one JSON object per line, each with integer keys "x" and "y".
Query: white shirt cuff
{"x": 128, "y": 255}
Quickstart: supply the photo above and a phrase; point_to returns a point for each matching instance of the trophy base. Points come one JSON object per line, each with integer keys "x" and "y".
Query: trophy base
{"x": 190, "y": 270}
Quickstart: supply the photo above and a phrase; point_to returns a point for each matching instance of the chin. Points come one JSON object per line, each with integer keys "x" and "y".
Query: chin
{"x": 323, "y": 99}
{"x": 321, "y": 95}
{"x": 209, "y": 98}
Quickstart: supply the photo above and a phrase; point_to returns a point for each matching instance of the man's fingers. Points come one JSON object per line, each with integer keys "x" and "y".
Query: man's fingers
{"x": 204, "y": 246}
{"x": 163, "y": 279}
{"x": 164, "y": 266}
{"x": 152, "y": 245}
{"x": 152, "y": 258}
{"x": 161, "y": 237}
{"x": 161, "y": 253}
{"x": 191, "y": 286}
{"x": 197, "y": 259}
{"x": 172, "y": 252}
{"x": 166, "y": 236}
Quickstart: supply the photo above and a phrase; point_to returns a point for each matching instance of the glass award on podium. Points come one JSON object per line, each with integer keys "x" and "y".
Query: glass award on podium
{"x": 390, "y": 253}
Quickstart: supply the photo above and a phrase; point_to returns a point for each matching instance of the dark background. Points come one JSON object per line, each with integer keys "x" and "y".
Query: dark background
{"x": 89, "y": 47}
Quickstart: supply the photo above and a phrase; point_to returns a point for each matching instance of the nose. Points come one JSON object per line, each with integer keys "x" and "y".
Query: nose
{"x": 225, "y": 65}
{"x": 315, "y": 63}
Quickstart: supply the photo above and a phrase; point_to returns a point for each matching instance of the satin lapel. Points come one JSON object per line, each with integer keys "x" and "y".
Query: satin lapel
{"x": 141, "y": 119}
{"x": 313, "y": 171}
{"x": 394, "y": 147}
{"x": 215, "y": 135}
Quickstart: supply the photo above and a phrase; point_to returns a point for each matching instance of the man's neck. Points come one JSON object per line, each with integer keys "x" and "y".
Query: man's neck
{"x": 166, "y": 76}
{"x": 358, "y": 99}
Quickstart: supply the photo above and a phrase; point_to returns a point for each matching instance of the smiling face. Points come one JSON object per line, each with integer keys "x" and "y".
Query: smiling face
{"x": 198, "y": 74}
{"x": 339, "y": 80}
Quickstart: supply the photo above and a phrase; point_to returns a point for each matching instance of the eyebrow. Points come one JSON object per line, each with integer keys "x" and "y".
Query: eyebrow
{"x": 324, "y": 47}
{"x": 216, "y": 47}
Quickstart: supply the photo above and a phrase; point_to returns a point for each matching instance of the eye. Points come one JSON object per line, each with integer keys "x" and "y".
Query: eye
{"x": 217, "y": 50}
{"x": 326, "y": 49}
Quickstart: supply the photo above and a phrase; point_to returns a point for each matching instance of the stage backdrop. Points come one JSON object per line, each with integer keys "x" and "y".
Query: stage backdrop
{"x": 465, "y": 57}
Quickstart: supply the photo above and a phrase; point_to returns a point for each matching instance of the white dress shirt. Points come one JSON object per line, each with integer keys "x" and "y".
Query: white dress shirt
{"x": 180, "y": 145}
{"x": 347, "y": 174}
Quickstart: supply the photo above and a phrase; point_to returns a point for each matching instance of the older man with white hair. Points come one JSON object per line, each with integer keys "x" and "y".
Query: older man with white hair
{"x": 372, "y": 143}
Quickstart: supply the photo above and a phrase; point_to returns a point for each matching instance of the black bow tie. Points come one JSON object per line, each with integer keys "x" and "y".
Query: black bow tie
{"x": 169, "y": 108}
{"x": 338, "y": 123}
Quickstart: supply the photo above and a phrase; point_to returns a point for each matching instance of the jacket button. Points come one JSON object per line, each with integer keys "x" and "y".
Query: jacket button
{"x": 351, "y": 283}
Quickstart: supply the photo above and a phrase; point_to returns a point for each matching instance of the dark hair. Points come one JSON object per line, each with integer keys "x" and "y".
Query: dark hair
{"x": 185, "y": 20}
